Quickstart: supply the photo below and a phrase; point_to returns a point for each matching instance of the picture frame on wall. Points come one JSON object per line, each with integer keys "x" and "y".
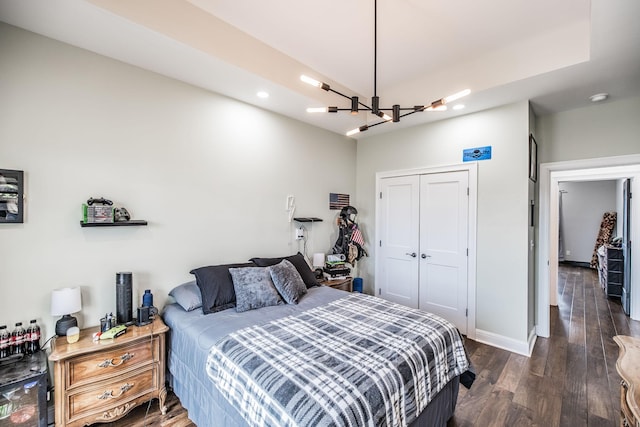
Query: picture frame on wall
{"x": 533, "y": 158}
{"x": 11, "y": 196}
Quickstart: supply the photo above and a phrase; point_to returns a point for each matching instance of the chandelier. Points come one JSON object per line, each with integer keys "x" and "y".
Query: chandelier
{"x": 397, "y": 112}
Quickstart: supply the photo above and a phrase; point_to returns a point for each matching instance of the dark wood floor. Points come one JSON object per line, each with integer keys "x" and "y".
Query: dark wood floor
{"x": 570, "y": 379}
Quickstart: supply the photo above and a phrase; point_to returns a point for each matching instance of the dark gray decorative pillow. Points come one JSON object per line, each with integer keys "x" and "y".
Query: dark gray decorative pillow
{"x": 287, "y": 281}
{"x": 187, "y": 295}
{"x": 298, "y": 261}
{"x": 254, "y": 288}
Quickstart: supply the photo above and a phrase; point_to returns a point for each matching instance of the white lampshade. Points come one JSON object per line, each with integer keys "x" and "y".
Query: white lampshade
{"x": 65, "y": 301}
{"x": 318, "y": 260}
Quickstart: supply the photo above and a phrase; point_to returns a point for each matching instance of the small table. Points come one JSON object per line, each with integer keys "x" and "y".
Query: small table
{"x": 101, "y": 381}
{"x": 344, "y": 284}
{"x": 628, "y": 366}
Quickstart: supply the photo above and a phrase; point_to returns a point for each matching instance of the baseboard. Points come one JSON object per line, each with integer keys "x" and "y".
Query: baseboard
{"x": 506, "y": 343}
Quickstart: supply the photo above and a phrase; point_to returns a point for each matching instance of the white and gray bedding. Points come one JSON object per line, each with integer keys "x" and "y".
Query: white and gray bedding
{"x": 193, "y": 334}
{"x": 356, "y": 361}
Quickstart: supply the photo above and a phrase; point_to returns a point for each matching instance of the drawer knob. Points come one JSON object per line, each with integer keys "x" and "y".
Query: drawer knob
{"x": 109, "y": 362}
{"x": 109, "y": 394}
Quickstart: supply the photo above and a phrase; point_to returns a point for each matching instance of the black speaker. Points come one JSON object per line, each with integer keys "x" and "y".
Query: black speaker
{"x": 124, "y": 310}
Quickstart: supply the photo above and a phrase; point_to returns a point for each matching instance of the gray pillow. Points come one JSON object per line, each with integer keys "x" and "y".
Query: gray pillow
{"x": 254, "y": 288}
{"x": 187, "y": 295}
{"x": 287, "y": 281}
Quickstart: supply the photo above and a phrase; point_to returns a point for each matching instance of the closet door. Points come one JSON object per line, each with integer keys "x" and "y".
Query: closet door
{"x": 398, "y": 245}
{"x": 444, "y": 217}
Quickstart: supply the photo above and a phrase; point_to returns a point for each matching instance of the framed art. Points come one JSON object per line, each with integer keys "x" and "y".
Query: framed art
{"x": 11, "y": 196}
{"x": 533, "y": 159}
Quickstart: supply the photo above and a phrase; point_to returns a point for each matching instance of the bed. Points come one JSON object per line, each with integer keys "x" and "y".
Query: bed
{"x": 223, "y": 365}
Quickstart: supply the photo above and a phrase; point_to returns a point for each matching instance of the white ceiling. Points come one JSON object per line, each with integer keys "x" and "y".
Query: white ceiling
{"x": 554, "y": 53}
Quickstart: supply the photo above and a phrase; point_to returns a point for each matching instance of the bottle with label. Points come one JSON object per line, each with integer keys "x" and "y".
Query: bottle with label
{"x": 32, "y": 344}
{"x": 17, "y": 339}
{"x": 5, "y": 338}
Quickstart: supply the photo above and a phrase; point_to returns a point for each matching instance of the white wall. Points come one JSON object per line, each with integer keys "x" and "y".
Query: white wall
{"x": 503, "y": 187}
{"x": 608, "y": 129}
{"x": 583, "y": 205}
{"x": 210, "y": 174}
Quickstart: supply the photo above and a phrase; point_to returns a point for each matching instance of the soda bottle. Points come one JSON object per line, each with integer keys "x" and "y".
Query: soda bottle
{"x": 5, "y": 338}
{"x": 17, "y": 339}
{"x": 32, "y": 338}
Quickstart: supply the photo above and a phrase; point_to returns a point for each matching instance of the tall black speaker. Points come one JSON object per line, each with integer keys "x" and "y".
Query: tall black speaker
{"x": 124, "y": 310}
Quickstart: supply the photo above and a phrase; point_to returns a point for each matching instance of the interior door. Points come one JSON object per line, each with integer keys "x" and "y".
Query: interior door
{"x": 398, "y": 245}
{"x": 444, "y": 212}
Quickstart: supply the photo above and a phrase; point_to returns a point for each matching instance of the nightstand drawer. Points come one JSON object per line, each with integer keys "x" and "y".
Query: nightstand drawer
{"x": 110, "y": 362}
{"x": 108, "y": 394}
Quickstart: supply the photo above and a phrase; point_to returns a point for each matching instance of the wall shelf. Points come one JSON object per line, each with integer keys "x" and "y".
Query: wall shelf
{"x": 310, "y": 219}
{"x": 114, "y": 224}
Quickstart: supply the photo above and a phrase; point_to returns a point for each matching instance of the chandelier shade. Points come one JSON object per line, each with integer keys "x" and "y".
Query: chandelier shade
{"x": 397, "y": 112}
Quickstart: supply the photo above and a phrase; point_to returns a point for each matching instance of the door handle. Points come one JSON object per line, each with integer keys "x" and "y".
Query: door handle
{"x": 412, "y": 254}
{"x": 423, "y": 256}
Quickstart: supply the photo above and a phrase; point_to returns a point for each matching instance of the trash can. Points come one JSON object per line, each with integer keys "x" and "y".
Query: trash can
{"x": 357, "y": 284}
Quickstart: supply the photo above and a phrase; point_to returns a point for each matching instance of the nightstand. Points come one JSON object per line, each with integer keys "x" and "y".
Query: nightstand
{"x": 101, "y": 381}
{"x": 342, "y": 284}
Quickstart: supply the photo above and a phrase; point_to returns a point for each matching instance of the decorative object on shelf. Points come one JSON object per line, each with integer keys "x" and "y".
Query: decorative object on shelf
{"x": 121, "y": 215}
{"x": 64, "y": 302}
{"x": 11, "y": 196}
{"x": 396, "y": 110}
{"x": 98, "y": 210}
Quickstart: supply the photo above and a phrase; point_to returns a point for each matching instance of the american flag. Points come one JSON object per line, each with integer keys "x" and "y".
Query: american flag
{"x": 356, "y": 236}
{"x": 338, "y": 201}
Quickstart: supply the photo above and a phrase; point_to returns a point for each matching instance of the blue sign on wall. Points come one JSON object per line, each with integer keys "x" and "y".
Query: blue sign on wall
{"x": 473, "y": 154}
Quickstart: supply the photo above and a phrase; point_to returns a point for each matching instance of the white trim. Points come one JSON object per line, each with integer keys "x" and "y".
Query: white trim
{"x": 472, "y": 169}
{"x": 532, "y": 340}
{"x": 547, "y": 260}
{"x": 505, "y": 343}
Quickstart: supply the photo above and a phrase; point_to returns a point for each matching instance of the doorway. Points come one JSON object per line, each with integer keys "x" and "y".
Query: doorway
{"x": 547, "y": 263}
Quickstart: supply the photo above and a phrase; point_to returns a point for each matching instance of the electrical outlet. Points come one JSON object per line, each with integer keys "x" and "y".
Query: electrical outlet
{"x": 568, "y": 252}
{"x": 299, "y": 234}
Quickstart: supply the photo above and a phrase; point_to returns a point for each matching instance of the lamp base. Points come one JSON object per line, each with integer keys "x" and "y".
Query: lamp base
{"x": 65, "y": 322}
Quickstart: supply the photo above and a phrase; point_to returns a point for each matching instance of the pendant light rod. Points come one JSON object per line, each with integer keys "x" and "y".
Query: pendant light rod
{"x": 375, "y": 109}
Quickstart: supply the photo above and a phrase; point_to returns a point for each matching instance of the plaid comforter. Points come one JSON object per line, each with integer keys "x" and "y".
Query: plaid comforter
{"x": 358, "y": 361}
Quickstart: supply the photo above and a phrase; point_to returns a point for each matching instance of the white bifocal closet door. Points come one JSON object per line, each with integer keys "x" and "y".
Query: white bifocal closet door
{"x": 399, "y": 240}
{"x": 444, "y": 211}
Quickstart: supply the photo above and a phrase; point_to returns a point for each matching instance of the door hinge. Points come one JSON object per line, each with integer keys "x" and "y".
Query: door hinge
{"x": 467, "y": 191}
{"x": 467, "y": 251}
{"x": 381, "y": 194}
{"x": 380, "y": 243}
{"x": 466, "y": 312}
{"x": 379, "y": 291}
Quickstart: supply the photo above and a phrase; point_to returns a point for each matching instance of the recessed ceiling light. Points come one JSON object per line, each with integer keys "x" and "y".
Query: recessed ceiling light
{"x": 262, "y": 94}
{"x": 599, "y": 97}
{"x": 458, "y": 106}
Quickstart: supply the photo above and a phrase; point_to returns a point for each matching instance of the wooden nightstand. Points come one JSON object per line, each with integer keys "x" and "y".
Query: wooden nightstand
{"x": 342, "y": 284}
{"x": 103, "y": 380}
{"x": 628, "y": 366}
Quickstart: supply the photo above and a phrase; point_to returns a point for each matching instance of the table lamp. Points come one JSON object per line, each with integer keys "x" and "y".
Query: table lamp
{"x": 64, "y": 302}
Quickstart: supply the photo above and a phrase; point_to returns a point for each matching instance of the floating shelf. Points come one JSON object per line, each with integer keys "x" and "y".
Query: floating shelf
{"x": 310, "y": 219}
{"x": 114, "y": 224}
